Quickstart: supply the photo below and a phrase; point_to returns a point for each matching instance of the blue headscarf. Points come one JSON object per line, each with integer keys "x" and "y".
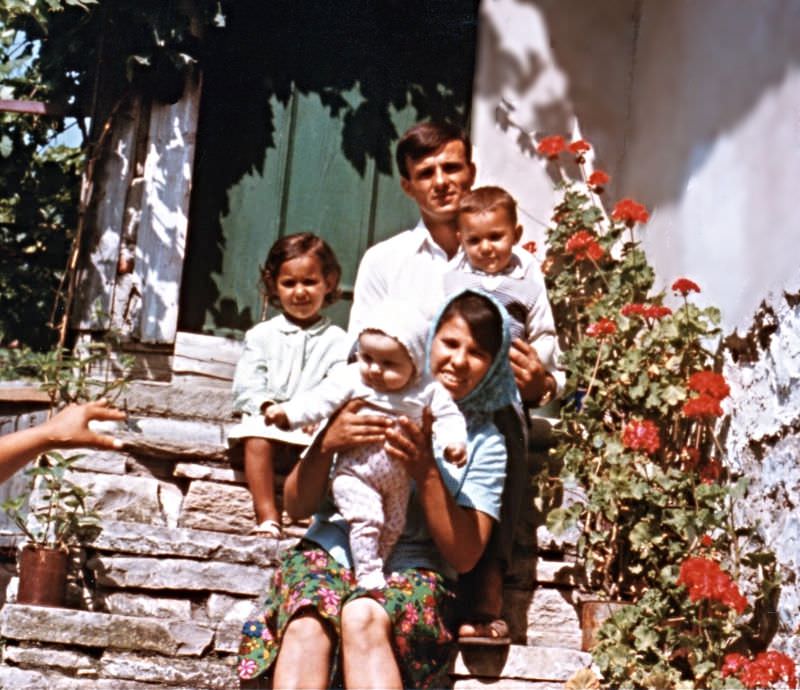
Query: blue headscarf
{"x": 497, "y": 388}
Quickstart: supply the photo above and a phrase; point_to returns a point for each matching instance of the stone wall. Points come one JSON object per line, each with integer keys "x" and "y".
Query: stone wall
{"x": 158, "y": 599}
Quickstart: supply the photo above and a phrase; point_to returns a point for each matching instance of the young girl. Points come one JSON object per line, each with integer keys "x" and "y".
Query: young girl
{"x": 290, "y": 353}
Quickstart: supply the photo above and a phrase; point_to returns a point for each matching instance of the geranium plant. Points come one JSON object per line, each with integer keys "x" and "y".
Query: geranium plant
{"x": 638, "y": 437}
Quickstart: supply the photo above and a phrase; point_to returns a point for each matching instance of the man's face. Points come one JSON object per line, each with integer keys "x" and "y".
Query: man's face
{"x": 437, "y": 182}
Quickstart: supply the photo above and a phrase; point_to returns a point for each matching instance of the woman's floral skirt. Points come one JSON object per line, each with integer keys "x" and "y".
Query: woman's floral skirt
{"x": 420, "y": 605}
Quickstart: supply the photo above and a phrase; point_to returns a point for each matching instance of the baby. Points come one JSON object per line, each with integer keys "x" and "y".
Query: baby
{"x": 488, "y": 232}
{"x": 370, "y": 489}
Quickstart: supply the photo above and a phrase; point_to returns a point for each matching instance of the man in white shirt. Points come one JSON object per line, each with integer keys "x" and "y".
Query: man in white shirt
{"x": 436, "y": 168}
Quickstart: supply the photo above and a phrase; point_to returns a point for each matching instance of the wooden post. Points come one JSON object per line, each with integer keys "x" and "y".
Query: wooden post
{"x": 161, "y": 238}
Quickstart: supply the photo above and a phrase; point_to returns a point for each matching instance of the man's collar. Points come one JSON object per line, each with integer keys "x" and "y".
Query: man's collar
{"x": 423, "y": 242}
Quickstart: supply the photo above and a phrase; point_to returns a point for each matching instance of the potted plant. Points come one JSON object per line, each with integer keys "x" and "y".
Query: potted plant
{"x": 54, "y": 516}
{"x": 637, "y": 437}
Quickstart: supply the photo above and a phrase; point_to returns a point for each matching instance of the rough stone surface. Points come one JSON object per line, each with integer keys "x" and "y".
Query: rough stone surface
{"x": 228, "y": 637}
{"x": 201, "y": 508}
{"x": 205, "y": 673}
{"x": 545, "y": 618}
{"x": 763, "y": 443}
{"x": 88, "y": 629}
{"x": 520, "y": 662}
{"x": 179, "y": 574}
{"x": 12, "y": 678}
{"x": 58, "y": 658}
{"x": 215, "y": 474}
{"x": 122, "y": 497}
{"x": 530, "y": 570}
{"x": 504, "y": 684}
{"x": 178, "y": 431}
{"x": 147, "y": 540}
{"x": 221, "y": 607}
{"x": 126, "y": 604}
{"x": 101, "y": 461}
{"x": 170, "y": 499}
{"x": 179, "y": 400}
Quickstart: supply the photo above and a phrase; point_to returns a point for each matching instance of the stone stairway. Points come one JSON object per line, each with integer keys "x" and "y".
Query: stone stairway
{"x": 158, "y": 599}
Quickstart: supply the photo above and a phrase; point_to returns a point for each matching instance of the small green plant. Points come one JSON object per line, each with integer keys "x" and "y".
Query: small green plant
{"x": 638, "y": 437}
{"x": 53, "y": 512}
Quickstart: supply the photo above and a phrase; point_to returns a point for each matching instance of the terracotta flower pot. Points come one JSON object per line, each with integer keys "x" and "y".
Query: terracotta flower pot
{"x": 42, "y": 576}
{"x": 594, "y": 613}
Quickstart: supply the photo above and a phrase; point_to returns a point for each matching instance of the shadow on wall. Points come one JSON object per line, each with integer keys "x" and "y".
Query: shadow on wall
{"x": 673, "y": 76}
{"x": 394, "y": 54}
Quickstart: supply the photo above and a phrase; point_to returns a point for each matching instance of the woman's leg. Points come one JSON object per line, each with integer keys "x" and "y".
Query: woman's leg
{"x": 259, "y": 456}
{"x": 368, "y": 658}
{"x": 304, "y": 660}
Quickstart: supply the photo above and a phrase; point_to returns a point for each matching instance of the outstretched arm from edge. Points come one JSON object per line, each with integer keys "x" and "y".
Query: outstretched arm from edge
{"x": 68, "y": 429}
{"x": 461, "y": 534}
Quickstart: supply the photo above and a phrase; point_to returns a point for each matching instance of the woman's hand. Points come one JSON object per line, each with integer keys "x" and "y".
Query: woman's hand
{"x": 410, "y": 444}
{"x": 348, "y": 429}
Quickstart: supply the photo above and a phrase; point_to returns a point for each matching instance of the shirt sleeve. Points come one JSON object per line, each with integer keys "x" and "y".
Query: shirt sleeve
{"x": 482, "y": 488}
{"x": 250, "y": 379}
{"x": 321, "y": 401}
{"x": 369, "y": 290}
{"x": 449, "y": 427}
{"x": 541, "y": 329}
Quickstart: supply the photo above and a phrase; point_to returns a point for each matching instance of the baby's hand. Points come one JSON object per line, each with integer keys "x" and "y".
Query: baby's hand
{"x": 310, "y": 428}
{"x": 456, "y": 453}
{"x": 275, "y": 416}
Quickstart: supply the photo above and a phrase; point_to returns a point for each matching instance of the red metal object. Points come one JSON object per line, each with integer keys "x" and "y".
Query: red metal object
{"x": 31, "y": 107}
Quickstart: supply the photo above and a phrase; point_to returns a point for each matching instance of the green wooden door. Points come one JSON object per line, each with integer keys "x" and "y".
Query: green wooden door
{"x": 299, "y": 136}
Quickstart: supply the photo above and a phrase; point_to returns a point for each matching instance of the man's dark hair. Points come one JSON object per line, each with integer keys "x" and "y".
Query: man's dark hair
{"x": 424, "y": 138}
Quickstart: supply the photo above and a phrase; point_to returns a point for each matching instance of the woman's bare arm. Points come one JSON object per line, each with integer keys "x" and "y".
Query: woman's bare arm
{"x": 461, "y": 534}
{"x": 68, "y": 429}
{"x": 307, "y": 483}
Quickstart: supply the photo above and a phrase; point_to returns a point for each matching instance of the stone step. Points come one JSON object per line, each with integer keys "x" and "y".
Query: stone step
{"x": 126, "y": 666}
{"x": 186, "y": 542}
{"x": 12, "y": 678}
{"x": 544, "y": 617}
{"x": 518, "y": 663}
{"x": 104, "y": 630}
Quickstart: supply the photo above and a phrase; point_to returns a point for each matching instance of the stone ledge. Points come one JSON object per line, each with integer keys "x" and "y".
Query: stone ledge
{"x": 179, "y": 399}
{"x": 185, "y": 542}
{"x": 504, "y": 684}
{"x": 201, "y": 673}
{"x": 179, "y": 574}
{"x": 519, "y": 663}
{"x": 543, "y": 618}
{"x": 12, "y": 678}
{"x": 104, "y": 630}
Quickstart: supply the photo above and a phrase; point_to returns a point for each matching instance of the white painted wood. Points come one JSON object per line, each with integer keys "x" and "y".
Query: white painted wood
{"x": 161, "y": 239}
{"x": 95, "y": 284}
{"x": 205, "y": 355}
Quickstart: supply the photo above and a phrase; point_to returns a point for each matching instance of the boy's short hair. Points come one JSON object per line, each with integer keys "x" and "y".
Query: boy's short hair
{"x": 426, "y": 137}
{"x": 291, "y": 247}
{"x": 488, "y": 198}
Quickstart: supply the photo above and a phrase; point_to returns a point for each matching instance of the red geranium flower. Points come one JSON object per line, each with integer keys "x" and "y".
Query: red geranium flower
{"x": 632, "y": 309}
{"x": 685, "y": 286}
{"x": 707, "y": 541}
{"x": 641, "y": 435}
{"x": 657, "y": 311}
{"x": 703, "y": 405}
{"x": 709, "y": 383}
{"x": 630, "y": 212}
{"x": 767, "y": 668}
{"x": 711, "y": 471}
{"x": 530, "y": 247}
{"x": 601, "y": 328}
{"x": 706, "y": 580}
{"x": 579, "y": 147}
{"x": 599, "y": 178}
{"x": 551, "y": 146}
{"x": 583, "y": 245}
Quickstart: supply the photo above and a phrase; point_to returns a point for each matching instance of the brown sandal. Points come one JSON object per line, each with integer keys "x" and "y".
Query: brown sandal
{"x": 492, "y": 633}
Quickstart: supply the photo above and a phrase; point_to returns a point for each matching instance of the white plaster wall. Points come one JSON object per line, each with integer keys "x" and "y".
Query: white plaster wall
{"x": 694, "y": 109}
